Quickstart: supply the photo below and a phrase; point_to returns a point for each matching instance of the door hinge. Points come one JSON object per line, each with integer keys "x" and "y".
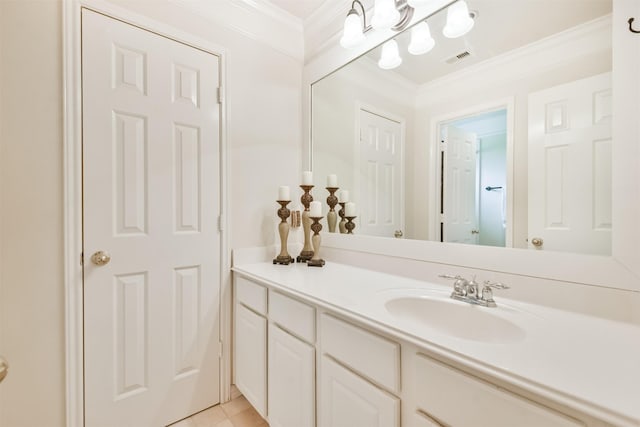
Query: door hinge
{"x": 442, "y": 218}
{"x": 221, "y": 222}
{"x": 443, "y": 146}
{"x": 220, "y": 95}
{"x": 81, "y": 259}
{"x": 220, "y": 349}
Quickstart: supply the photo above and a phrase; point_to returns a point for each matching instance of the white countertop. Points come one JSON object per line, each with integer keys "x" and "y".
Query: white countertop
{"x": 587, "y": 363}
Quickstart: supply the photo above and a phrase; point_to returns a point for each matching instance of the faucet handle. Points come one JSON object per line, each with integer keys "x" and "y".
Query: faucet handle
{"x": 495, "y": 285}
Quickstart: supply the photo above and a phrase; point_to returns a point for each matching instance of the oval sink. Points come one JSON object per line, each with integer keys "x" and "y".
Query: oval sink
{"x": 456, "y": 318}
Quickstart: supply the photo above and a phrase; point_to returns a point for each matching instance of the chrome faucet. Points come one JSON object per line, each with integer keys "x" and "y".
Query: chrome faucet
{"x": 469, "y": 291}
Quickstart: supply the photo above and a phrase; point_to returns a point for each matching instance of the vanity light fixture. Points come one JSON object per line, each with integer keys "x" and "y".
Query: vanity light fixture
{"x": 353, "y": 33}
{"x": 390, "y": 57}
{"x": 388, "y": 14}
{"x": 421, "y": 40}
{"x": 459, "y": 20}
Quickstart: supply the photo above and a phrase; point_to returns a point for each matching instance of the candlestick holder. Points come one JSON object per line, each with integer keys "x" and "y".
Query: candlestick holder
{"x": 350, "y": 225}
{"x": 307, "y": 250}
{"x": 343, "y": 222}
{"x": 332, "y": 216}
{"x": 283, "y": 229}
{"x": 316, "y": 261}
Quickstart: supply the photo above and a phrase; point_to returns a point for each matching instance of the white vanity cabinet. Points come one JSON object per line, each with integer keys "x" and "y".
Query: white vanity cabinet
{"x": 291, "y": 367}
{"x": 444, "y": 396}
{"x": 359, "y": 377}
{"x": 250, "y": 338}
{"x": 274, "y": 354}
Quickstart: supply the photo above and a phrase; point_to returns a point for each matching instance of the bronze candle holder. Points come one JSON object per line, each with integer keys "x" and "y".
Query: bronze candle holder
{"x": 332, "y": 201}
{"x": 350, "y": 225}
{"x": 307, "y": 250}
{"x": 316, "y": 261}
{"x": 283, "y": 229}
{"x": 342, "y": 227}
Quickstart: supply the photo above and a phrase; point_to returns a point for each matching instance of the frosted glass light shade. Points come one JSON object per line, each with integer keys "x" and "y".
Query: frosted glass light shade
{"x": 385, "y": 15}
{"x": 421, "y": 40}
{"x": 418, "y": 3}
{"x": 390, "y": 57}
{"x": 459, "y": 22}
{"x": 352, "y": 34}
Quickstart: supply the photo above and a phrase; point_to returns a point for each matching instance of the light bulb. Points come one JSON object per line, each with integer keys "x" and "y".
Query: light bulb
{"x": 459, "y": 22}
{"x": 385, "y": 15}
{"x": 421, "y": 40}
{"x": 352, "y": 35}
{"x": 390, "y": 57}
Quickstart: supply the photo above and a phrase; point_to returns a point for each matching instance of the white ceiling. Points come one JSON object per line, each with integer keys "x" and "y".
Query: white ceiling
{"x": 299, "y": 8}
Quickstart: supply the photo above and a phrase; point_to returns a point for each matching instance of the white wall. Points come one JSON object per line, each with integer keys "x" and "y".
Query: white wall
{"x": 263, "y": 96}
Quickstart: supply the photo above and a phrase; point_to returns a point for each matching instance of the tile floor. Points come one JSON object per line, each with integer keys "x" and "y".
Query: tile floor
{"x": 238, "y": 412}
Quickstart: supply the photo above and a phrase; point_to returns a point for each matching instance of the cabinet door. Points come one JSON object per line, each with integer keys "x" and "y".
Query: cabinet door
{"x": 347, "y": 400}
{"x": 291, "y": 380}
{"x": 251, "y": 357}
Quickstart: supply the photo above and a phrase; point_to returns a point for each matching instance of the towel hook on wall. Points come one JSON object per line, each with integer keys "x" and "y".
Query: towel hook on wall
{"x": 631, "y": 26}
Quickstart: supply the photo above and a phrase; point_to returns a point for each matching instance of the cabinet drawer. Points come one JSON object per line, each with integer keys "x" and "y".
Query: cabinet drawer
{"x": 251, "y": 294}
{"x": 442, "y": 391}
{"x": 292, "y": 315}
{"x": 346, "y": 400}
{"x": 374, "y": 357}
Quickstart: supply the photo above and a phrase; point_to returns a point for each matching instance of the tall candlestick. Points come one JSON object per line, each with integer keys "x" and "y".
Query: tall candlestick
{"x": 307, "y": 249}
{"x": 332, "y": 201}
{"x": 343, "y": 221}
{"x": 316, "y": 261}
{"x": 307, "y": 178}
{"x": 283, "y": 230}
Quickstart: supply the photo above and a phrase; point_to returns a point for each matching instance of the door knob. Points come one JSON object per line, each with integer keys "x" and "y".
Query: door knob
{"x": 100, "y": 258}
{"x": 4, "y": 368}
{"x": 537, "y": 242}
{"x": 398, "y": 234}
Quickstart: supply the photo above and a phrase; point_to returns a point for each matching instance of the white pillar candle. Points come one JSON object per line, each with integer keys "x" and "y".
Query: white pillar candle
{"x": 315, "y": 209}
{"x": 332, "y": 181}
{"x": 350, "y": 209}
{"x": 344, "y": 196}
{"x": 284, "y": 193}
{"x": 307, "y": 178}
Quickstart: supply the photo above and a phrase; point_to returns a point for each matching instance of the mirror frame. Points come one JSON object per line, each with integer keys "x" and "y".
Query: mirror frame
{"x": 621, "y": 270}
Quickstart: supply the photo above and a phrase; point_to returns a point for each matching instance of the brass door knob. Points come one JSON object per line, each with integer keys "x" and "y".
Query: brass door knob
{"x": 537, "y": 242}
{"x": 100, "y": 258}
{"x": 398, "y": 234}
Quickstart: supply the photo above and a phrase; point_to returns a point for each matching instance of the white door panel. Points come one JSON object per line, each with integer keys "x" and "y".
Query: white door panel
{"x": 460, "y": 186}
{"x": 151, "y": 199}
{"x": 380, "y": 194}
{"x": 570, "y": 146}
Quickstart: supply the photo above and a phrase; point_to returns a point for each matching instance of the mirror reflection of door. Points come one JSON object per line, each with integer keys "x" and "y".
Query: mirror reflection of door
{"x": 570, "y": 166}
{"x": 473, "y": 179}
{"x": 380, "y": 189}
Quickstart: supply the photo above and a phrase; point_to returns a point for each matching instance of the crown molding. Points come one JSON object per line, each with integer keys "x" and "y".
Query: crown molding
{"x": 537, "y": 57}
{"x": 256, "y": 19}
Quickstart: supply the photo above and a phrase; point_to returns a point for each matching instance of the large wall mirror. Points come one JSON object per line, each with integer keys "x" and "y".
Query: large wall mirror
{"x": 501, "y": 137}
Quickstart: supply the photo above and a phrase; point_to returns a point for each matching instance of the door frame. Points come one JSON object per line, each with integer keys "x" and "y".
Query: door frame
{"x": 437, "y": 123}
{"x": 72, "y": 208}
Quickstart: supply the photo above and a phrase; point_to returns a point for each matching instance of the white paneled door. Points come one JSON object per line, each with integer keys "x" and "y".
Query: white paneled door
{"x": 151, "y": 188}
{"x": 570, "y": 185}
{"x": 380, "y": 190}
{"x": 460, "y": 186}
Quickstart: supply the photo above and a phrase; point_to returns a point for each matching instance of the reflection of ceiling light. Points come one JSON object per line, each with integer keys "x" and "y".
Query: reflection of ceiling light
{"x": 390, "y": 57}
{"x": 421, "y": 40}
{"x": 385, "y": 15}
{"x": 417, "y": 3}
{"x": 459, "y": 21}
{"x": 353, "y": 33}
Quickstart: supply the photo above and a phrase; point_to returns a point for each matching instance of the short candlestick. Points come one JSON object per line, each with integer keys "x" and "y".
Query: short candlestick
{"x": 283, "y": 229}
{"x": 332, "y": 216}
{"x": 316, "y": 261}
{"x": 342, "y": 227}
{"x": 307, "y": 250}
{"x": 350, "y": 225}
